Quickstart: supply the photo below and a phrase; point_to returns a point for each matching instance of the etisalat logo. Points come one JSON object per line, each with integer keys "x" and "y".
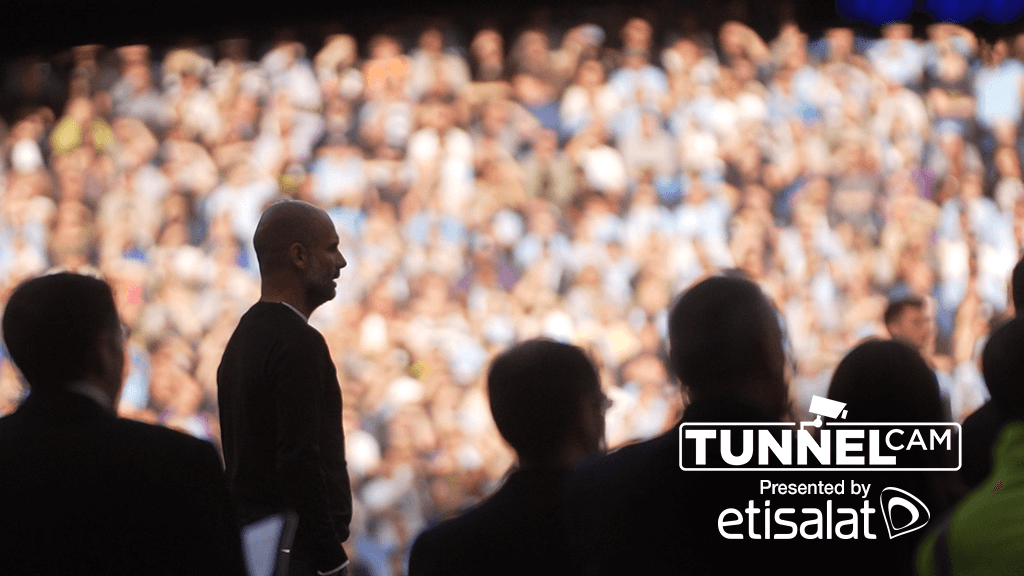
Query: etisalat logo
{"x": 837, "y": 446}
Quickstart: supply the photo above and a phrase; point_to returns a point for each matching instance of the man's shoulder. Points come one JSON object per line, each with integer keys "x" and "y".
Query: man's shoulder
{"x": 10, "y": 421}
{"x": 162, "y": 444}
{"x": 628, "y": 461}
{"x": 628, "y": 475}
{"x": 281, "y": 316}
{"x": 464, "y": 528}
{"x": 16, "y": 432}
{"x": 449, "y": 531}
{"x": 520, "y": 523}
{"x": 159, "y": 434}
{"x": 519, "y": 499}
{"x": 268, "y": 322}
{"x": 271, "y": 312}
{"x": 438, "y": 548}
{"x": 73, "y": 420}
{"x": 107, "y": 454}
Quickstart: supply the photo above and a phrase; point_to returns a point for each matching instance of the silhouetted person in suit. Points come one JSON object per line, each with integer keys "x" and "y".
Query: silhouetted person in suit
{"x": 278, "y": 392}
{"x": 547, "y": 403}
{"x": 981, "y": 428}
{"x": 889, "y": 381}
{"x": 81, "y": 490}
{"x": 635, "y": 511}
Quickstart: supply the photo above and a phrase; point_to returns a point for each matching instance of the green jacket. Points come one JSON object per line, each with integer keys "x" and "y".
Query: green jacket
{"x": 985, "y": 533}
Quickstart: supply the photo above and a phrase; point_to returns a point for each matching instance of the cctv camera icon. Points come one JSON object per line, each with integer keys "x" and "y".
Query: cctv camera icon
{"x": 825, "y": 407}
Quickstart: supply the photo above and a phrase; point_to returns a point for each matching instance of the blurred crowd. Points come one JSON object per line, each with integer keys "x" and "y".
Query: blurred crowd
{"x": 488, "y": 189}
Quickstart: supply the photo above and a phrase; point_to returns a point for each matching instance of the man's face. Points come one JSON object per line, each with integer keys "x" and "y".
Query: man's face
{"x": 325, "y": 264}
{"x": 841, "y": 41}
{"x": 913, "y": 327}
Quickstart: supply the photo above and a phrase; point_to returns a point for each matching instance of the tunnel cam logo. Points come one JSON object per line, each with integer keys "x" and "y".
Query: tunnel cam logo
{"x": 791, "y": 446}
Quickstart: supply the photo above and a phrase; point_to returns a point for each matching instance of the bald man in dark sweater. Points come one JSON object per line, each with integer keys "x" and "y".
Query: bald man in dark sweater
{"x": 280, "y": 401}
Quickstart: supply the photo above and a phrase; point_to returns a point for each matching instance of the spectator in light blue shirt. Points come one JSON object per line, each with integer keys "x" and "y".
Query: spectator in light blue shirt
{"x": 998, "y": 85}
{"x": 897, "y": 57}
{"x": 649, "y": 150}
{"x": 705, "y": 218}
{"x": 540, "y": 99}
{"x": 639, "y": 84}
{"x": 135, "y": 393}
{"x": 242, "y": 198}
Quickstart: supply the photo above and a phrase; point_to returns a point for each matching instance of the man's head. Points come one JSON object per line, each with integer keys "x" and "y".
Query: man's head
{"x": 547, "y": 402}
{"x": 725, "y": 339}
{"x": 297, "y": 249}
{"x": 64, "y": 328}
{"x": 906, "y": 320}
{"x": 1002, "y": 364}
{"x": 887, "y": 381}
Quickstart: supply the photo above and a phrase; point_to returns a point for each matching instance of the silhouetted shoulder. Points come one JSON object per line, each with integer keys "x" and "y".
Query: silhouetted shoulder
{"x": 268, "y": 322}
{"x": 171, "y": 443}
{"x": 274, "y": 314}
{"x": 627, "y": 466}
{"x": 516, "y": 531}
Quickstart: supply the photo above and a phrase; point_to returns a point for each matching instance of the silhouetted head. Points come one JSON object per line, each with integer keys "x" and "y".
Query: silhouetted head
{"x": 1002, "y": 364}
{"x": 1017, "y": 287}
{"x": 725, "y": 339}
{"x": 546, "y": 401}
{"x": 887, "y": 381}
{"x": 297, "y": 248}
{"x": 906, "y": 320}
{"x": 64, "y": 328}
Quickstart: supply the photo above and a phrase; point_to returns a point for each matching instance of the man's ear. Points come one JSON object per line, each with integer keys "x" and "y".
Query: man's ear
{"x": 298, "y": 255}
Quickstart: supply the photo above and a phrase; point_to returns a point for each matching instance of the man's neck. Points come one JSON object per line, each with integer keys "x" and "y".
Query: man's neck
{"x": 565, "y": 459}
{"x": 296, "y": 310}
{"x": 93, "y": 392}
{"x": 292, "y": 297}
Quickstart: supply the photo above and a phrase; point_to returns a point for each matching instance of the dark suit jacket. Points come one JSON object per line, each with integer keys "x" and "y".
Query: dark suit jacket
{"x": 85, "y": 492}
{"x": 280, "y": 414}
{"x": 635, "y": 512}
{"x": 516, "y": 531}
